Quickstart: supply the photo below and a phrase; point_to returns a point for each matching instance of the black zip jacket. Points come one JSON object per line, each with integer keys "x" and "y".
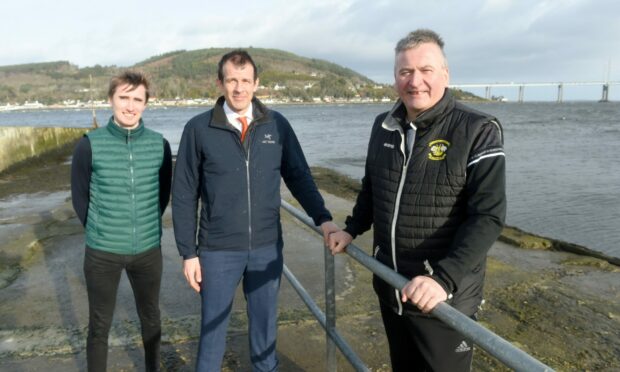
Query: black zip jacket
{"x": 438, "y": 210}
{"x": 238, "y": 184}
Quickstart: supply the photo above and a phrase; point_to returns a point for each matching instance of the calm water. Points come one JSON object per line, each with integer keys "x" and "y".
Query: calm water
{"x": 563, "y": 177}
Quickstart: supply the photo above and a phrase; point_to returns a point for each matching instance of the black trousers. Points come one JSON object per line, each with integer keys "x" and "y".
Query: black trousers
{"x": 425, "y": 343}
{"x": 103, "y": 272}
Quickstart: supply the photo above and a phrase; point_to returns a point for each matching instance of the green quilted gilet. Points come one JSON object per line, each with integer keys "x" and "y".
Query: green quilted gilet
{"x": 123, "y": 212}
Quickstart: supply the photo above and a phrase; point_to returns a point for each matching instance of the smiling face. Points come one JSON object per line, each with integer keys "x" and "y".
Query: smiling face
{"x": 238, "y": 85}
{"x": 128, "y": 103}
{"x": 421, "y": 77}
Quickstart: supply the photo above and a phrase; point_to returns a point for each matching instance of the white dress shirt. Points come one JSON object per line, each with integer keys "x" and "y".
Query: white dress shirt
{"x": 232, "y": 116}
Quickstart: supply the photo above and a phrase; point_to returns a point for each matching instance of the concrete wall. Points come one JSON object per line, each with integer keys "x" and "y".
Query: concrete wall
{"x": 20, "y": 143}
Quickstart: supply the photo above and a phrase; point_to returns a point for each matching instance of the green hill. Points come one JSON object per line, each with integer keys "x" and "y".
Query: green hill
{"x": 192, "y": 74}
{"x": 189, "y": 74}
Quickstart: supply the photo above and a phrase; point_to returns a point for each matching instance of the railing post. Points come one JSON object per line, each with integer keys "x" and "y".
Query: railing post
{"x": 330, "y": 309}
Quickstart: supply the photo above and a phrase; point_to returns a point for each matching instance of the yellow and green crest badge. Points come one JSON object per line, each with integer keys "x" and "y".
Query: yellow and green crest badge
{"x": 438, "y": 149}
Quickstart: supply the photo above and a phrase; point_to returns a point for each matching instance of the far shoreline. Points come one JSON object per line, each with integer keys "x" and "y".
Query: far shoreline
{"x": 58, "y": 107}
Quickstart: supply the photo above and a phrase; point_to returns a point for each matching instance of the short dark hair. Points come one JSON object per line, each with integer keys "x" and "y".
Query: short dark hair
{"x": 238, "y": 57}
{"x": 421, "y": 36}
{"x": 132, "y": 78}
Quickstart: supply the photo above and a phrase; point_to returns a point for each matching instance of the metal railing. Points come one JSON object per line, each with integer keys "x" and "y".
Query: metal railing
{"x": 493, "y": 344}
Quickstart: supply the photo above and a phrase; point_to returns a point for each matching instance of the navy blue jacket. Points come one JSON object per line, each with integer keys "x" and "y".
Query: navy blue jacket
{"x": 238, "y": 184}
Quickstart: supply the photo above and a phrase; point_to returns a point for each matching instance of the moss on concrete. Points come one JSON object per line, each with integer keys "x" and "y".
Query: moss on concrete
{"x": 336, "y": 183}
{"x": 18, "y": 144}
{"x": 522, "y": 239}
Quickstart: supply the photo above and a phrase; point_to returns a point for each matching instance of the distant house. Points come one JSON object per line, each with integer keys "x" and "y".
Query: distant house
{"x": 32, "y": 105}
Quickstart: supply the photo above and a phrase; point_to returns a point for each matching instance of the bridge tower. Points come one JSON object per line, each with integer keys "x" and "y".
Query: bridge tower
{"x": 521, "y": 89}
{"x": 605, "y": 97}
{"x": 560, "y": 92}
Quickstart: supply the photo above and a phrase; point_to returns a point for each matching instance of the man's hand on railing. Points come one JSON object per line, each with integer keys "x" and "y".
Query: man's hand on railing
{"x": 338, "y": 241}
{"x": 424, "y": 292}
{"x": 327, "y": 228}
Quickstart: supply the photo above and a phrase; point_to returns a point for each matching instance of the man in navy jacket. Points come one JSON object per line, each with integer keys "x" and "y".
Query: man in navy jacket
{"x": 232, "y": 159}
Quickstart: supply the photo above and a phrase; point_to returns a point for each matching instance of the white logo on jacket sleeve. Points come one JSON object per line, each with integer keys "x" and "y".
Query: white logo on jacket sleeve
{"x": 390, "y": 145}
{"x": 463, "y": 347}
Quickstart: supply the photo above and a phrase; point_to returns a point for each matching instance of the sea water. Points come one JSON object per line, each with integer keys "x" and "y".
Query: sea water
{"x": 563, "y": 171}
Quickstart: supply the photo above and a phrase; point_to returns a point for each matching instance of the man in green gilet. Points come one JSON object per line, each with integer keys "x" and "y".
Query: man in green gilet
{"x": 120, "y": 187}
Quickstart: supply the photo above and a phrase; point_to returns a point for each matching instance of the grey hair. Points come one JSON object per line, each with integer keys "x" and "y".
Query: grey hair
{"x": 421, "y": 36}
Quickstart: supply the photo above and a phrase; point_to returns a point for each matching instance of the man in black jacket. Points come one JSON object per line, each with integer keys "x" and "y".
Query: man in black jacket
{"x": 232, "y": 159}
{"x": 434, "y": 191}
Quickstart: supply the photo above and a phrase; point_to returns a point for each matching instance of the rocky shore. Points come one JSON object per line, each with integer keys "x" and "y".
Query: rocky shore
{"x": 561, "y": 307}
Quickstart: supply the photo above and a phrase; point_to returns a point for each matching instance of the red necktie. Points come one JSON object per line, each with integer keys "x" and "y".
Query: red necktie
{"x": 244, "y": 126}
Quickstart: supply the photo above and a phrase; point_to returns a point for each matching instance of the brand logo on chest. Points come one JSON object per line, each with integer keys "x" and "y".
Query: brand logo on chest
{"x": 267, "y": 139}
{"x": 438, "y": 149}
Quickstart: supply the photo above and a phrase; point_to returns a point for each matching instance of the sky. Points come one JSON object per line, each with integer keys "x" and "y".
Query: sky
{"x": 486, "y": 41}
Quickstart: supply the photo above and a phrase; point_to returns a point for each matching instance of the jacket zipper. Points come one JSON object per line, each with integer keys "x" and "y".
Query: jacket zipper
{"x": 133, "y": 192}
{"x": 247, "y": 175}
{"x": 397, "y": 206}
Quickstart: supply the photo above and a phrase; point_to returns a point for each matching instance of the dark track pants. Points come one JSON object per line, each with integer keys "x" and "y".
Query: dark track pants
{"x": 261, "y": 270}
{"x": 103, "y": 271}
{"x": 425, "y": 343}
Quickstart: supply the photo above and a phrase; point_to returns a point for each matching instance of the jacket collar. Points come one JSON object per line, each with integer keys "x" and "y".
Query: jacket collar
{"x": 123, "y": 133}
{"x": 260, "y": 113}
{"x": 397, "y": 116}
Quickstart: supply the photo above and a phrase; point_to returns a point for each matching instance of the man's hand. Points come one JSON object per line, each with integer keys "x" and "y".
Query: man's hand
{"x": 193, "y": 273}
{"x": 424, "y": 292}
{"x": 328, "y": 227}
{"x": 339, "y": 241}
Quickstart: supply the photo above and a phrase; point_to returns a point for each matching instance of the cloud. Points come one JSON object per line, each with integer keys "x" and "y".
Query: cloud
{"x": 486, "y": 40}
{"x": 538, "y": 41}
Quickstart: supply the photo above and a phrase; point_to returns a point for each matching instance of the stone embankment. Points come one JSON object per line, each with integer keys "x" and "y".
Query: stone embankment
{"x": 18, "y": 144}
